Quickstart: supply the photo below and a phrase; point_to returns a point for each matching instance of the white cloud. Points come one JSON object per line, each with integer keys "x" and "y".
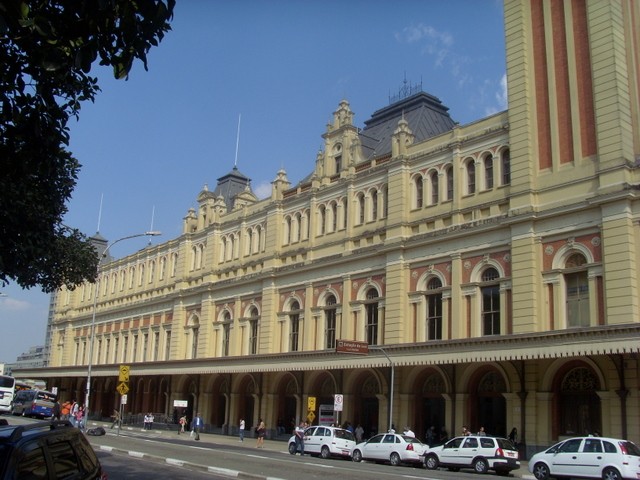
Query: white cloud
{"x": 10, "y": 304}
{"x": 263, "y": 190}
{"x": 502, "y": 94}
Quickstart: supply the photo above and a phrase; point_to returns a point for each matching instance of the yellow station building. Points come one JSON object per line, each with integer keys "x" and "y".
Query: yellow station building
{"x": 492, "y": 268}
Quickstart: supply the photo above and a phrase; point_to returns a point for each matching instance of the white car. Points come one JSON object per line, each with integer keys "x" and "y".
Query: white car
{"x": 390, "y": 447}
{"x": 325, "y": 441}
{"x": 480, "y": 452}
{"x": 588, "y": 457}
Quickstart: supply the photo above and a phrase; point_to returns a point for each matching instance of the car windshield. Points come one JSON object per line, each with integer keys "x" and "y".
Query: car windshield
{"x": 345, "y": 434}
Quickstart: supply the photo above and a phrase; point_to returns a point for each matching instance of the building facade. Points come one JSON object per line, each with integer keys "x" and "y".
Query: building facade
{"x": 491, "y": 267}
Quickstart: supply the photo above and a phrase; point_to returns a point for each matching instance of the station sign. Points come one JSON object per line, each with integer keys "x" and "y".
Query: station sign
{"x": 352, "y": 346}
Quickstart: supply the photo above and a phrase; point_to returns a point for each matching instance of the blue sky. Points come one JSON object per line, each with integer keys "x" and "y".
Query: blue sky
{"x": 148, "y": 145}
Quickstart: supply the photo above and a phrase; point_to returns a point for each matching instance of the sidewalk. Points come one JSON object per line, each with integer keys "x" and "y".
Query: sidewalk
{"x": 129, "y": 435}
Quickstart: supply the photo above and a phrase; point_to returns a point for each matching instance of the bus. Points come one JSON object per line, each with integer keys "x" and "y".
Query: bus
{"x": 34, "y": 403}
{"x": 7, "y": 390}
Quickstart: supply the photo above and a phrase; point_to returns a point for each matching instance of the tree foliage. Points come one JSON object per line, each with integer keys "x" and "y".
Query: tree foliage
{"x": 47, "y": 50}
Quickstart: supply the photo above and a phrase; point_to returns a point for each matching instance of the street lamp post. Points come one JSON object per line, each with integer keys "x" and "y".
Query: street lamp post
{"x": 378, "y": 347}
{"x": 93, "y": 315}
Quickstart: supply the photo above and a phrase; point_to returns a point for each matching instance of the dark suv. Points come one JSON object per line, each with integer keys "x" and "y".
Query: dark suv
{"x": 48, "y": 451}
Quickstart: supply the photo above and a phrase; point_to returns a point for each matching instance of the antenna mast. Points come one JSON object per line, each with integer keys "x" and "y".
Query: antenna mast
{"x": 235, "y": 163}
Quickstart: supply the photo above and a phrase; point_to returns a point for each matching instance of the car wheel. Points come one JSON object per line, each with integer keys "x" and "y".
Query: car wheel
{"x": 394, "y": 459}
{"x": 292, "y": 448}
{"x": 431, "y": 462}
{"x": 480, "y": 465}
{"x": 356, "y": 456}
{"x": 325, "y": 452}
{"x": 611, "y": 474}
{"x": 541, "y": 471}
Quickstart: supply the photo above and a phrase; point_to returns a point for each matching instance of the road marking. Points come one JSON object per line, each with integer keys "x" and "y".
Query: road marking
{"x": 175, "y": 461}
{"x": 223, "y": 471}
{"x": 133, "y": 453}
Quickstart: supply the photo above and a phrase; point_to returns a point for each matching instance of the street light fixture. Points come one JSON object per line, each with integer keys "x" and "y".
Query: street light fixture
{"x": 93, "y": 315}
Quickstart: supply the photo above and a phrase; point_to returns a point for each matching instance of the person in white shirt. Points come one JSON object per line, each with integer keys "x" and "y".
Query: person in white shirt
{"x": 241, "y": 428}
{"x": 407, "y": 432}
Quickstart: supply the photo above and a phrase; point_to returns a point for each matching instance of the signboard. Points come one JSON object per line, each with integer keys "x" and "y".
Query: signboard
{"x": 327, "y": 416}
{"x": 311, "y": 417}
{"x": 122, "y": 388}
{"x": 337, "y": 402}
{"x": 311, "y": 403}
{"x": 181, "y": 403}
{"x": 123, "y": 375}
{"x": 352, "y": 346}
{"x": 123, "y": 400}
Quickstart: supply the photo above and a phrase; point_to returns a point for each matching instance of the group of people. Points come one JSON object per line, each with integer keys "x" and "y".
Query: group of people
{"x": 70, "y": 410}
{"x": 148, "y": 421}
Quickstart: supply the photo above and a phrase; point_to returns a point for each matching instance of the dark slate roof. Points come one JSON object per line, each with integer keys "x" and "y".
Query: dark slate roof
{"x": 426, "y": 115}
{"x": 231, "y": 185}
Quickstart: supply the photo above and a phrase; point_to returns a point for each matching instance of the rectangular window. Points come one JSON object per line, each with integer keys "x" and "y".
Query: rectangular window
{"x": 156, "y": 345}
{"x": 145, "y": 346}
{"x": 226, "y": 336}
{"x": 491, "y": 310}
{"x": 253, "y": 337}
{"x": 434, "y": 317}
{"x": 372, "y": 323}
{"x": 330, "y": 324}
{"x": 577, "y": 299}
{"x": 294, "y": 332}
{"x": 167, "y": 346}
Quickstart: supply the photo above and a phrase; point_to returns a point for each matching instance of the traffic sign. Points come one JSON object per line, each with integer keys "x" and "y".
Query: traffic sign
{"x": 122, "y": 388}
{"x": 337, "y": 402}
{"x": 124, "y": 373}
{"x": 311, "y": 416}
{"x": 311, "y": 403}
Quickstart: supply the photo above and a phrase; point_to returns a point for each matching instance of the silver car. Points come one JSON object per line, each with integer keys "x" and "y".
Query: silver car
{"x": 325, "y": 442}
{"x": 390, "y": 447}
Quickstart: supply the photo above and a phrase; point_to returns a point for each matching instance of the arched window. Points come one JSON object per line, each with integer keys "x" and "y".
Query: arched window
{"x": 152, "y": 270}
{"x": 132, "y": 276}
{"x": 385, "y": 202}
{"x": 488, "y": 172}
{"x": 194, "y": 255}
{"x": 253, "y": 331}
{"x": 334, "y": 216}
{"x": 506, "y": 167}
{"x": 174, "y": 264}
{"x": 123, "y": 275}
{"x": 433, "y": 179}
{"x": 449, "y": 174}
{"x": 490, "y": 291}
{"x": 287, "y": 231}
{"x": 361, "y": 217}
{"x": 330, "y": 322}
{"x": 371, "y": 306}
{"x": 141, "y": 275}
{"x": 163, "y": 267}
{"x": 580, "y": 408}
{"x": 434, "y": 309}
{"x": 322, "y": 219}
{"x": 577, "y": 291}
{"x": 226, "y": 334}
{"x": 294, "y": 327}
{"x": 195, "y": 331}
{"x": 418, "y": 191}
{"x": 249, "y": 241}
{"x": 471, "y": 177}
{"x": 374, "y": 205}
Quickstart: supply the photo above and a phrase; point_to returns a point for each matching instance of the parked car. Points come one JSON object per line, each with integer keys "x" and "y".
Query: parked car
{"x": 326, "y": 442}
{"x": 588, "y": 457}
{"x": 47, "y": 450}
{"x": 390, "y": 447}
{"x": 482, "y": 453}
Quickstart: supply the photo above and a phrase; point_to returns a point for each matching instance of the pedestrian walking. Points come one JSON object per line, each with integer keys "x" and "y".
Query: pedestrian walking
{"x": 261, "y": 431}
{"x": 241, "y": 429}
{"x": 299, "y": 432}
{"x": 182, "y": 422}
{"x": 197, "y": 425}
{"x": 116, "y": 418}
{"x": 56, "y": 411}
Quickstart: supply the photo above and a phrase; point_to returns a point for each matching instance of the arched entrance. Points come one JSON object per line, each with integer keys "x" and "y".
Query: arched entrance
{"x": 324, "y": 389}
{"x": 577, "y": 409}
{"x": 286, "y": 417}
{"x": 247, "y": 392}
{"x": 366, "y": 404}
{"x": 218, "y": 410}
{"x": 429, "y": 406}
{"x": 488, "y": 407}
